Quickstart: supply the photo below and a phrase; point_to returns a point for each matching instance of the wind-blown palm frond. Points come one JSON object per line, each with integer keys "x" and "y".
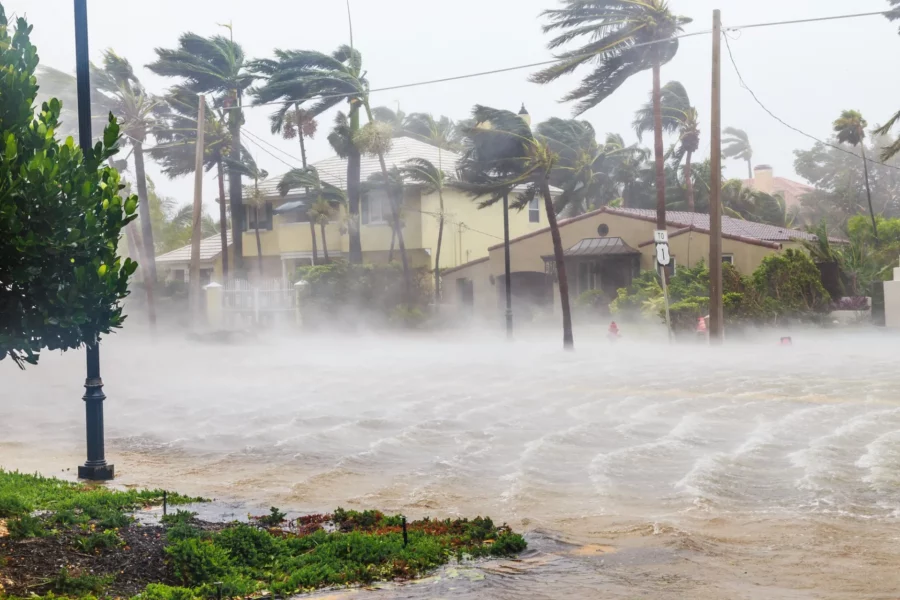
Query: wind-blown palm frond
{"x": 736, "y": 144}
{"x": 424, "y": 173}
{"x": 308, "y": 179}
{"x": 675, "y": 105}
{"x": 890, "y": 151}
{"x": 625, "y": 37}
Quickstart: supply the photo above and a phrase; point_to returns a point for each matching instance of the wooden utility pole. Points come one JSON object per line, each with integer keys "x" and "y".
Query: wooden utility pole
{"x": 716, "y": 315}
{"x": 198, "y": 211}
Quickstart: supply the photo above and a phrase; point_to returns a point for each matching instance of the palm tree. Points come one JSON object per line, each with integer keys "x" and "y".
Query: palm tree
{"x": 503, "y": 154}
{"x": 736, "y": 144}
{"x": 440, "y": 132}
{"x": 323, "y": 192}
{"x": 298, "y": 77}
{"x": 678, "y": 116}
{"x": 626, "y": 37}
{"x": 215, "y": 66}
{"x": 392, "y": 186}
{"x": 176, "y": 137}
{"x": 583, "y": 168}
{"x": 255, "y": 197}
{"x": 743, "y": 202}
{"x": 629, "y": 163}
{"x": 850, "y": 128}
{"x": 433, "y": 180}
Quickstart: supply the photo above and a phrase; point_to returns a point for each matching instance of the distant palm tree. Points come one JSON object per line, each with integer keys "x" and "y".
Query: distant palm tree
{"x": 176, "y": 136}
{"x": 850, "y": 128}
{"x": 582, "y": 171}
{"x": 736, "y": 144}
{"x": 627, "y": 168}
{"x": 433, "y": 180}
{"x": 392, "y": 186}
{"x": 744, "y": 202}
{"x": 319, "y": 82}
{"x": 625, "y": 38}
{"x": 256, "y": 198}
{"x": 440, "y": 132}
{"x": 215, "y": 65}
{"x": 322, "y": 192}
{"x": 678, "y": 116}
{"x": 503, "y": 154}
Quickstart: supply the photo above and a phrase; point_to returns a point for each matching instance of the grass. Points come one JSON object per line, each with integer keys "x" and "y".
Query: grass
{"x": 236, "y": 560}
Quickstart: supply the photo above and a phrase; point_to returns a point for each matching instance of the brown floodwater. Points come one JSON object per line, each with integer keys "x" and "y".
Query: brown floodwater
{"x": 637, "y": 469}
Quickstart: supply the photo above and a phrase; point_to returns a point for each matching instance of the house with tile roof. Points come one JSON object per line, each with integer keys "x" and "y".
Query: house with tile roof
{"x": 175, "y": 265}
{"x": 604, "y": 250}
{"x": 765, "y": 181}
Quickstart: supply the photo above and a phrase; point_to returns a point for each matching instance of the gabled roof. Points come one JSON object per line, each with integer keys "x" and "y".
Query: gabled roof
{"x": 210, "y": 249}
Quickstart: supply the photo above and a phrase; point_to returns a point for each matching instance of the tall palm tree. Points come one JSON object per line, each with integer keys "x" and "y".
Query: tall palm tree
{"x": 176, "y": 148}
{"x": 255, "y": 197}
{"x": 215, "y": 65}
{"x": 678, "y": 116}
{"x": 629, "y": 162}
{"x": 319, "y": 82}
{"x": 736, "y": 144}
{"x": 850, "y": 128}
{"x": 503, "y": 154}
{"x": 582, "y": 170}
{"x": 433, "y": 179}
{"x": 317, "y": 192}
{"x": 625, "y": 38}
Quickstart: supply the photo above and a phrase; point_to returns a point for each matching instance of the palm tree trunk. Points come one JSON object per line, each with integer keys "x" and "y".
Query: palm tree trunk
{"x": 658, "y": 151}
{"x": 437, "y": 252}
{"x": 395, "y": 213}
{"x": 134, "y": 248}
{"x": 302, "y": 143}
{"x": 324, "y": 243}
{"x": 749, "y": 170}
{"x": 393, "y": 239}
{"x": 147, "y": 246}
{"x": 568, "y": 339}
{"x": 689, "y": 180}
{"x": 223, "y": 221}
{"x": 259, "y": 261}
{"x": 862, "y": 147}
{"x": 235, "y": 191}
{"x": 353, "y": 175}
{"x": 312, "y": 232}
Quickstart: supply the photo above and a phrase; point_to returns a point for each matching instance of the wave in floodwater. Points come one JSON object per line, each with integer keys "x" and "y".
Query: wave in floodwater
{"x": 568, "y": 443}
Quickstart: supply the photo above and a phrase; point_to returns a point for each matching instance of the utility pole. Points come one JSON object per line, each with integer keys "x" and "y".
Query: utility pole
{"x": 95, "y": 468}
{"x": 509, "y": 313}
{"x": 198, "y": 210}
{"x": 716, "y": 315}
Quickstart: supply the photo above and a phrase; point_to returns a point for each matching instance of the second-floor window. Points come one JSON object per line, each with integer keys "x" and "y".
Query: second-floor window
{"x": 534, "y": 211}
{"x": 265, "y": 217}
{"x": 375, "y": 208}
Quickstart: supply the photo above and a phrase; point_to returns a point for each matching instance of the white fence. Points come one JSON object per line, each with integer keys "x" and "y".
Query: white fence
{"x": 259, "y": 302}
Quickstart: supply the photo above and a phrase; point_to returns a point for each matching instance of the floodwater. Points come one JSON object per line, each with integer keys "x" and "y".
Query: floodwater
{"x": 639, "y": 470}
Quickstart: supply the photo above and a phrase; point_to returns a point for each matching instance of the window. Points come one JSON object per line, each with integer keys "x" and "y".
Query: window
{"x": 534, "y": 211}
{"x": 728, "y": 258}
{"x": 375, "y": 208}
{"x": 265, "y": 217}
{"x": 179, "y": 275}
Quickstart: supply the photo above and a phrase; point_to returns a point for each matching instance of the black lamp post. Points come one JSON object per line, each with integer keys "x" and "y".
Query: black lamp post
{"x": 95, "y": 468}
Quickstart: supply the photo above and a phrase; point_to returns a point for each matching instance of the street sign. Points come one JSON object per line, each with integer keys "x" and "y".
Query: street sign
{"x": 661, "y": 237}
{"x": 662, "y": 255}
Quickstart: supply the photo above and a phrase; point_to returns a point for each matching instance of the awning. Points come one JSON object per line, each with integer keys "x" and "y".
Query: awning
{"x": 607, "y": 246}
{"x": 289, "y": 206}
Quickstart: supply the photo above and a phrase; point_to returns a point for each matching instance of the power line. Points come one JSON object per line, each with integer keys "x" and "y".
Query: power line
{"x": 289, "y": 155}
{"x": 811, "y": 20}
{"x": 785, "y": 123}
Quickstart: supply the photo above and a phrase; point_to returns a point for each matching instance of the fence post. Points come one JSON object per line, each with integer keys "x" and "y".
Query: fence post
{"x": 256, "y": 304}
{"x": 214, "y": 297}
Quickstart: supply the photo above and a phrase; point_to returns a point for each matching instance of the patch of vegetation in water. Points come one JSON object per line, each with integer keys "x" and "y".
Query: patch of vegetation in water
{"x": 105, "y": 553}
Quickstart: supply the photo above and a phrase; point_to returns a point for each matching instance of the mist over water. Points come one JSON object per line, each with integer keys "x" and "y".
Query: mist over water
{"x": 703, "y": 453}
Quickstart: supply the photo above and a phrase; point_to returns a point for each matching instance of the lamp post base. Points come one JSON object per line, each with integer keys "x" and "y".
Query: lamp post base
{"x": 97, "y": 472}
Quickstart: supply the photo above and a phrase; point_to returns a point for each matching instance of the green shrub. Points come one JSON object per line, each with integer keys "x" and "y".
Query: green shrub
{"x": 184, "y": 531}
{"x": 69, "y": 517}
{"x": 96, "y": 542}
{"x": 179, "y": 516}
{"x": 247, "y": 545}
{"x": 232, "y": 586}
{"x": 78, "y": 585}
{"x": 113, "y": 519}
{"x": 793, "y": 282}
{"x": 273, "y": 519}
{"x": 196, "y": 561}
{"x": 12, "y": 506}
{"x": 158, "y": 591}
{"x": 25, "y": 526}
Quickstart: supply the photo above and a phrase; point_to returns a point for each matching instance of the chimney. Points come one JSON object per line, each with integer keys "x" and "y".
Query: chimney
{"x": 763, "y": 179}
{"x": 524, "y": 114}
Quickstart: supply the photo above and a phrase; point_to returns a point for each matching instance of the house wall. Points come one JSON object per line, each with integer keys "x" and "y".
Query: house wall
{"x": 690, "y": 248}
{"x": 482, "y": 228}
{"x": 486, "y": 295}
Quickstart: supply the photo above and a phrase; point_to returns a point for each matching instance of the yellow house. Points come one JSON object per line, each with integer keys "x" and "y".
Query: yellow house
{"x": 286, "y": 240}
{"x": 604, "y": 249}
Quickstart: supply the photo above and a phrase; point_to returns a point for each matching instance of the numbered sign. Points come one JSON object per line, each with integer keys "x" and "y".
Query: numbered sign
{"x": 662, "y": 255}
{"x": 661, "y": 237}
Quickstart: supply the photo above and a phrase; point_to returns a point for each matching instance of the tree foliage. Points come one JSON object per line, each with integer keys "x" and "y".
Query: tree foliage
{"x": 61, "y": 279}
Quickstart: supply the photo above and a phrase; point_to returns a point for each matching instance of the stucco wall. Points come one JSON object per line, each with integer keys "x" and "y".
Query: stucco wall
{"x": 692, "y": 247}
{"x": 485, "y": 293}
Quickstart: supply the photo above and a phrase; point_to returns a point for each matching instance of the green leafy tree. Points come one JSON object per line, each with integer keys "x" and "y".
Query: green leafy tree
{"x": 60, "y": 219}
{"x": 433, "y": 180}
{"x": 216, "y": 66}
{"x": 323, "y": 197}
{"x": 502, "y": 154}
{"x": 678, "y": 116}
{"x": 625, "y": 38}
{"x": 850, "y": 128}
{"x": 792, "y": 280}
{"x": 736, "y": 144}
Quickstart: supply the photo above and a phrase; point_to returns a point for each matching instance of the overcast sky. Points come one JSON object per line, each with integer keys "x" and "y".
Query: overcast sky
{"x": 805, "y": 73}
